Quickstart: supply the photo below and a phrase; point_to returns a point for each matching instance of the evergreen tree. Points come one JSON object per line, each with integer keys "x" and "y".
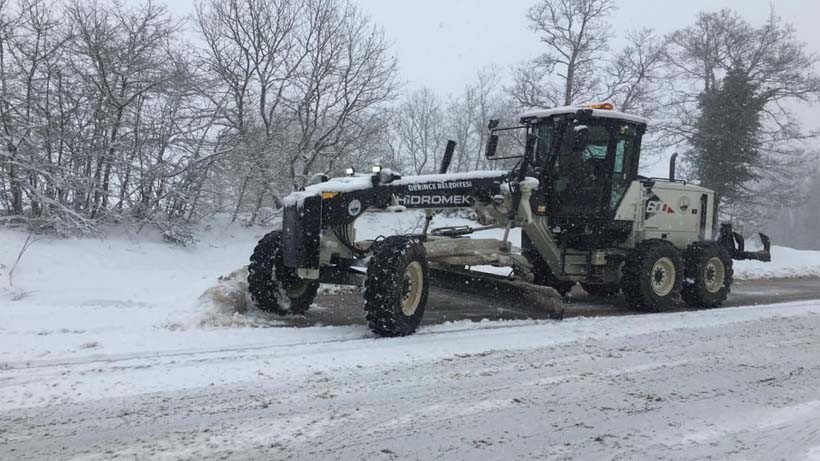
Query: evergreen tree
{"x": 726, "y": 146}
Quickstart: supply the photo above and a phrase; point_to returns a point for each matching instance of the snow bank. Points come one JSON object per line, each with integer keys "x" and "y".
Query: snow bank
{"x": 127, "y": 291}
{"x": 786, "y": 263}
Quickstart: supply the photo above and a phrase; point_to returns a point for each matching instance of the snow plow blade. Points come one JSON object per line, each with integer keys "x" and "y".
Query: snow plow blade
{"x": 537, "y": 298}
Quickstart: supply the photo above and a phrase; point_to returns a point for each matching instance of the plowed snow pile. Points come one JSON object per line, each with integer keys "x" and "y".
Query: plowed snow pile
{"x": 228, "y": 304}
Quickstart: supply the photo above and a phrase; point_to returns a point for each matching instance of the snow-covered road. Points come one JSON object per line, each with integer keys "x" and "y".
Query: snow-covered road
{"x": 107, "y": 350}
{"x": 735, "y": 383}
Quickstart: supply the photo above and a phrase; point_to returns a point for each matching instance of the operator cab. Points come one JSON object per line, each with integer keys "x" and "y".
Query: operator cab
{"x": 585, "y": 159}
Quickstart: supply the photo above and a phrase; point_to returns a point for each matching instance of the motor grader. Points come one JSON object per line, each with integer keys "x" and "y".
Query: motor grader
{"x": 585, "y": 215}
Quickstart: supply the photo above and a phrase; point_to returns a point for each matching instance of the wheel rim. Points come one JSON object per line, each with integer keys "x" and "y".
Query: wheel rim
{"x": 412, "y": 284}
{"x": 663, "y": 276}
{"x": 297, "y": 289}
{"x": 714, "y": 275}
{"x": 293, "y": 286}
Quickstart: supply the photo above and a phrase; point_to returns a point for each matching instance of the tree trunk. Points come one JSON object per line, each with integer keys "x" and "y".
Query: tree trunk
{"x": 241, "y": 197}
{"x": 107, "y": 161}
{"x": 259, "y": 201}
{"x": 569, "y": 84}
{"x": 16, "y": 190}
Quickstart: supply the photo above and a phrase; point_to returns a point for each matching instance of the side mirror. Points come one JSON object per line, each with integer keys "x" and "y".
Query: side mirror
{"x": 580, "y": 139}
{"x": 492, "y": 146}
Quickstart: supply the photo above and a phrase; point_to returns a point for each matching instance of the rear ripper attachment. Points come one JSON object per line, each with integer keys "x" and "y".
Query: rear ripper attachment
{"x": 736, "y": 246}
{"x": 584, "y": 213}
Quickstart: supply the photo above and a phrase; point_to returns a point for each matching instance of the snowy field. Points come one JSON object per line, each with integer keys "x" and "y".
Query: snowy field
{"x": 99, "y": 337}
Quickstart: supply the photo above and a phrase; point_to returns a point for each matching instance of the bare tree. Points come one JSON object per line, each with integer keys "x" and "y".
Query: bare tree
{"x": 633, "y": 75}
{"x": 469, "y": 113}
{"x": 299, "y": 84}
{"x": 575, "y": 33}
{"x": 123, "y": 54}
{"x": 419, "y": 129}
{"x": 31, "y": 124}
{"x": 8, "y": 29}
{"x": 347, "y": 73}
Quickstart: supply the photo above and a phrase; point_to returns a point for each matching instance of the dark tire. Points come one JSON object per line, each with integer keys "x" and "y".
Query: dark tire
{"x": 543, "y": 274}
{"x": 275, "y": 287}
{"x": 601, "y": 291}
{"x": 396, "y": 288}
{"x": 709, "y": 276}
{"x": 652, "y": 276}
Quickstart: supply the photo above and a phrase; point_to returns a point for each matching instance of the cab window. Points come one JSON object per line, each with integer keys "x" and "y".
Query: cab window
{"x": 625, "y": 142}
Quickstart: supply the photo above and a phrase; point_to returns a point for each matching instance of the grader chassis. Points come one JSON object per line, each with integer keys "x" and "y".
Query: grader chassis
{"x": 585, "y": 214}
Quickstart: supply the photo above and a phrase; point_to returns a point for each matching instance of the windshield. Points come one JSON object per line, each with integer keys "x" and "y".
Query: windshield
{"x": 590, "y": 179}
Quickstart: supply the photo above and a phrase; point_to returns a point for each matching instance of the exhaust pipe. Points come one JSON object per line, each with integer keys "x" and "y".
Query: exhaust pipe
{"x": 672, "y": 161}
{"x": 448, "y": 157}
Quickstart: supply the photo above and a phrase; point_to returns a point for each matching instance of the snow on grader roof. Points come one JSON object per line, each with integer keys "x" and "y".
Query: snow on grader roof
{"x": 598, "y": 110}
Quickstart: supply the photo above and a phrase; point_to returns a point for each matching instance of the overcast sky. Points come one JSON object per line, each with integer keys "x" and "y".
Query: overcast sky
{"x": 441, "y": 44}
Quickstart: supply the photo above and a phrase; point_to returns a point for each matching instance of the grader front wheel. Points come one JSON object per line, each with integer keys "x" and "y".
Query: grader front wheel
{"x": 397, "y": 285}
{"x": 273, "y": 286}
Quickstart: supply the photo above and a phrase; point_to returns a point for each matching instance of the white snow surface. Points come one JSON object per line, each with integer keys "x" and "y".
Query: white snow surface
{"x": 340, "y": 184}
{"x": 106, "y": 348}
{"x": 132, "y": 292}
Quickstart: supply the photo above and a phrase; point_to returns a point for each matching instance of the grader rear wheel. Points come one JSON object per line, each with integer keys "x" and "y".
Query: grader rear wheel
{"x": 652, "y": 276}
{"x": 709, "y": 276}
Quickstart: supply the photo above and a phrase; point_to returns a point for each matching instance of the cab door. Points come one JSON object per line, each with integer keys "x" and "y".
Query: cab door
{"x": 580, "y": 177}
{"x": 589, "y": 181}
{"x": 625, "y": 152}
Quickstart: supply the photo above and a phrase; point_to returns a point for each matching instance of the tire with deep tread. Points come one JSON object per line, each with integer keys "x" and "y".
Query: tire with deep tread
{"x": 543, "y": 274}
{"x": 601, "y": 291}
{"x": 273, "y": 286}
{"x": 695, "y": 290}
{"x": 637, "y": 276}
{"x": 386, "y": 283}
